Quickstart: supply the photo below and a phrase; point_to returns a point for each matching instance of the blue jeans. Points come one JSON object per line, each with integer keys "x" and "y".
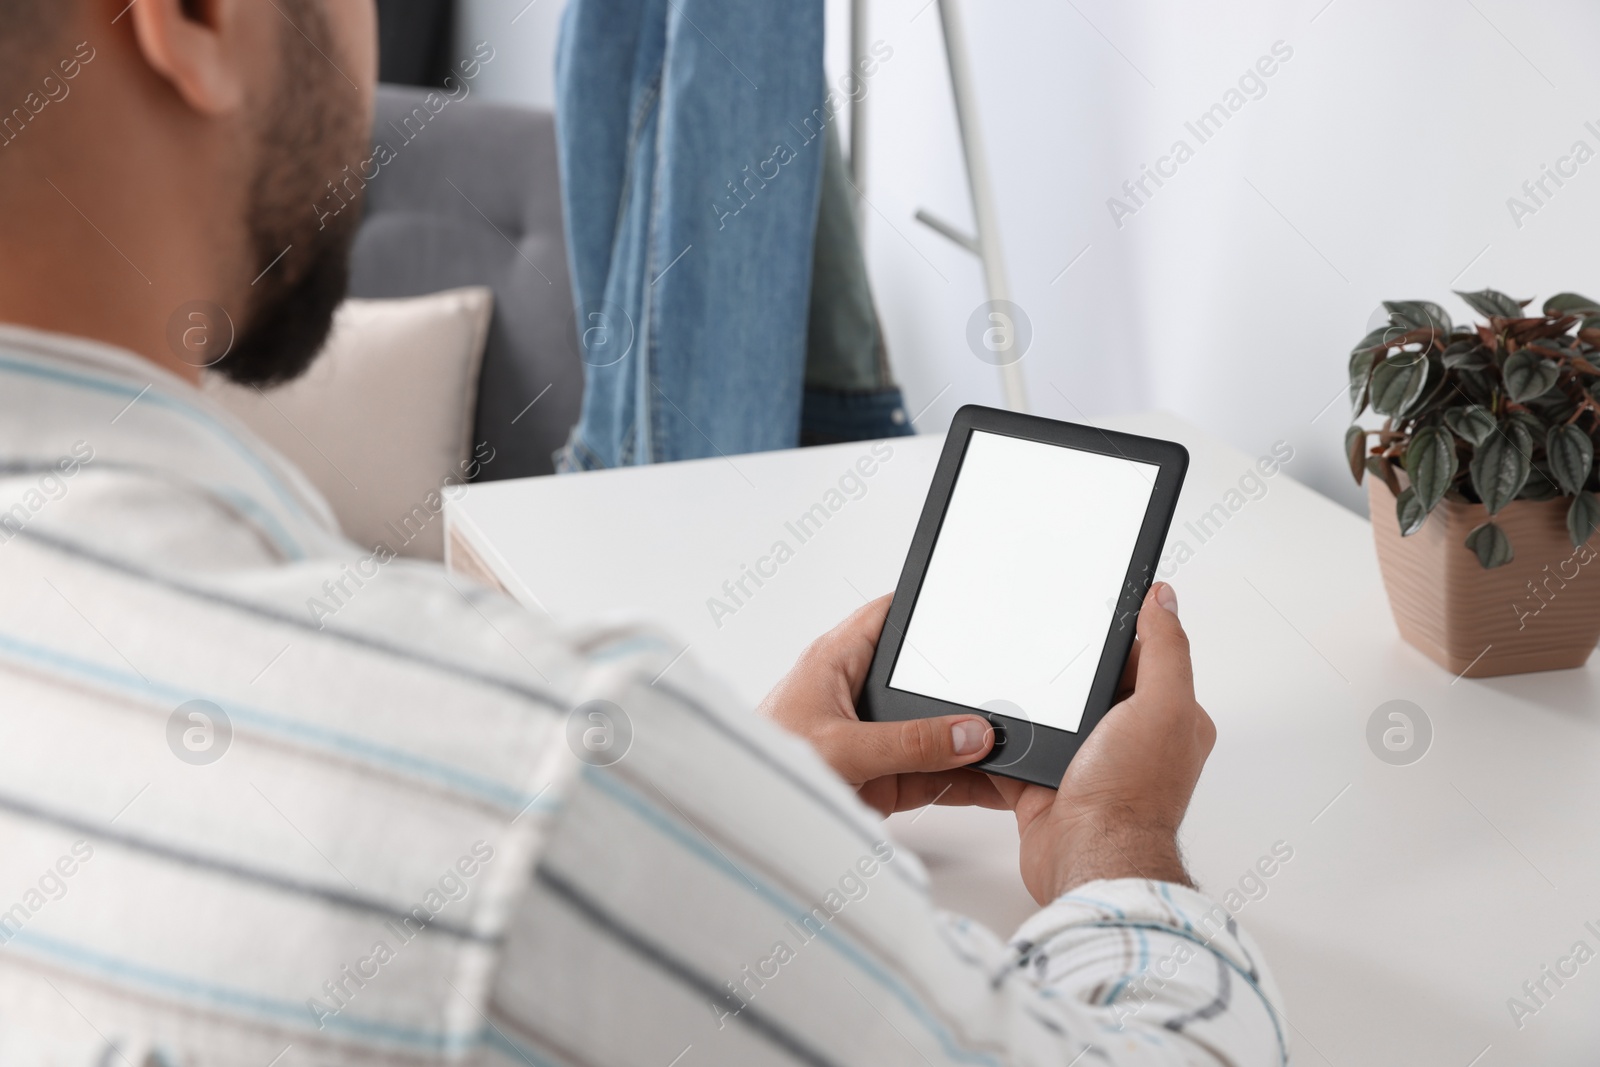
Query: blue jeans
{"x": 691, "y": 201}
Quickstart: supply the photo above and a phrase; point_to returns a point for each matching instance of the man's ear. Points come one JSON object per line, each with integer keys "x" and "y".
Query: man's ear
{"x": 193, "y": 45}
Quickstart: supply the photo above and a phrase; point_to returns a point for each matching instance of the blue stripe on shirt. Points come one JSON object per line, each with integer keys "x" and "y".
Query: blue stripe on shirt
{"x": 1138, "y": 969}
{"x": 116, "y": 388}
{"x": 658, "y": 819}
{"x": 1078, "y": 898}
{"x": 304, "y": 733}
{"x": 1166, "y": 894}
{"x": 1272, "y": 1012}
{"x": 282, "y": 1012}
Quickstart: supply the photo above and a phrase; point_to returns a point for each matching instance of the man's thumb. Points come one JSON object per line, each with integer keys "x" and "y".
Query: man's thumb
{"x": 1164, "y": 646}
{"x": 881, "y": 748}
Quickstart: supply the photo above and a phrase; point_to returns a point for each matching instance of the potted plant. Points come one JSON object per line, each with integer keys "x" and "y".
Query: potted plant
{"x": 1490, "y": 429}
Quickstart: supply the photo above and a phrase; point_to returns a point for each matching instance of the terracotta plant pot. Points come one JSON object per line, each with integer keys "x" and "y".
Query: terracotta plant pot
{"x": 1540, "y": 612}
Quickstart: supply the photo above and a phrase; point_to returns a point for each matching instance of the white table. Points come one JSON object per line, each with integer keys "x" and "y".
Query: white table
{"x": 1419, "y": 898}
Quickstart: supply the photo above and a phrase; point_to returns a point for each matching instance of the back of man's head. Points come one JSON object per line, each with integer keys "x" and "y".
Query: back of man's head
{"x": 162, "y": 155}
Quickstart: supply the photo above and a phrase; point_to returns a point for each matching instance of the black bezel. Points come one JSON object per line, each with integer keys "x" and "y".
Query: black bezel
{"x": 1047, "y": 751}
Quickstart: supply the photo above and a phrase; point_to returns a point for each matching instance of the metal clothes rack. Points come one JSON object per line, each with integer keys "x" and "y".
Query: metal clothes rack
{"x": 985, "y": 244}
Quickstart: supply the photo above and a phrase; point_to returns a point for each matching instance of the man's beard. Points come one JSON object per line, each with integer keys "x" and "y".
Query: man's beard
{"x": 304, "y": 260}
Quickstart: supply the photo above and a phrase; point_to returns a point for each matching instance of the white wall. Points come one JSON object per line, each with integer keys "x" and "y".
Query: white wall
{"x": 523, "y": 34}
{"x": 1377, "y": 165}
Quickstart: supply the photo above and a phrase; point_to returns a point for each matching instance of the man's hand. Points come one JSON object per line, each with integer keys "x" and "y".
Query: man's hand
{"x": 1125, "y": 792}
{"x": 894, "y": 766}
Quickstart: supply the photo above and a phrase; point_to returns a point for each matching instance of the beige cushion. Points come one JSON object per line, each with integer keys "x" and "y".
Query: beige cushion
{"x": 382, "y": 422}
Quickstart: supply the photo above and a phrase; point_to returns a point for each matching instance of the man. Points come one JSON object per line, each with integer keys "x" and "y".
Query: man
{"x": 230, "y": 837}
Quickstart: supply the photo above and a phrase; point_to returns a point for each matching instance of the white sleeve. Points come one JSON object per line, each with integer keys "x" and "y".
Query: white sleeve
{"x": 1165, "y": 974}
{"x": 717, "y": 896}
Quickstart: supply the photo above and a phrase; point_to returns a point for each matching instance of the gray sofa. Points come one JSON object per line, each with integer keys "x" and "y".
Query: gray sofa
{"x": 472, "y": 197}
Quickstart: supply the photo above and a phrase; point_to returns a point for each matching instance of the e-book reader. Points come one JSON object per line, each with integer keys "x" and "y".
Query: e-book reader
{"x": 1020, "y": 594}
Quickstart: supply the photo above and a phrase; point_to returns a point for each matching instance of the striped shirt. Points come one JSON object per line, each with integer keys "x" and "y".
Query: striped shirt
{"x": 268, "y": 798}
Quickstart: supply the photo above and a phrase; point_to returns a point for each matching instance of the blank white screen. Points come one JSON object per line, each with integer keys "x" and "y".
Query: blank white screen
{"x": 1016, "y": 602}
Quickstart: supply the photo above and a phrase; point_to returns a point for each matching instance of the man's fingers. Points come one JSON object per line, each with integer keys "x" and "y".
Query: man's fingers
{"x": 862, "y": 751}
{"x": 1164, "y": 669}
{"x": 867, "y": 619}
{"x": 1130, "y": 673}
{"x": 852, "y": 643}
{"x": 961, "y": 788}
{"x": 1009, "y": 788}
{"x": 1029, "y": 801}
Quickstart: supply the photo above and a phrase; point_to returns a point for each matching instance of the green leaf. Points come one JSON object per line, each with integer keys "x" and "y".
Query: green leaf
{"x": 1467, "y": 353}
{"x": 1539, "y": 486}
{"x": 1571, "y": 455}
{"x": 1569, "y": 304}
{"x": 1431, "y": 398}
{"x": 1372, "y": 341}
{"x": 1528, "y": 375}
{"x": 1431, "y": 463}
{"x": 1491, "y": 544}
{"x": 1500, "y": 466}
{"x": 1355, "y": 450}
{"x": 1470, "y": 422}
{"x": 1360, "y": 373}
{"x": 1554, "y": 408}
{"x": 1477, "y": 386}
{"x": 1537, "y": 428}
{"x": 1491, "y": 304}
{"x": 1380, "y": 467}
{"x": 1582, "y": 518}
{"x": 1420, "y": 315}
{"x": 1409, "y": 510}
{"x": 1396, "y": 386}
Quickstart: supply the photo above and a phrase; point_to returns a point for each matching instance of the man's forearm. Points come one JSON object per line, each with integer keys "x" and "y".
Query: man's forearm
{"x": 1097, "y": 847}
